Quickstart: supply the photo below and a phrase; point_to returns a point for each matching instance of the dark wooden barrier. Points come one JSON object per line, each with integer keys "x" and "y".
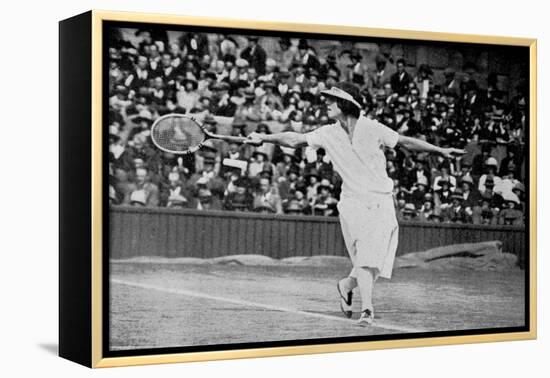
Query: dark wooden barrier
{"x": 206, "y": 234}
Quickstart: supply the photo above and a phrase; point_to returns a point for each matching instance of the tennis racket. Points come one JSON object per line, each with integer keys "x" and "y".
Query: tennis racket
{"x": 182, "y": 134}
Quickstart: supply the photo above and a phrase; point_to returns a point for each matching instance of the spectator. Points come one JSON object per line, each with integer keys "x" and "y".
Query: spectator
{"x": 401, "y": 79}
{"x": 511, "y": 215}
{"x": 445, "y": 176}
{"x": 324, "y": 203}
{"x": 240, "y": 199}
{"x": 266, "y": 198}
{"x": 187, "y": 95}
{"x": 221, "y": 104}
{"x": 255, "y": 55}
{"x": 419, "y": 191}
{"x": 456, "y": 212}
{"x": 142, "y": 190}
{"x": 427, "y": 210}
{"x": 471, "y": 200}
{"x": 294, "y": 207}
{"x": 408, "y": 213}
{"x": 491, "y": 166}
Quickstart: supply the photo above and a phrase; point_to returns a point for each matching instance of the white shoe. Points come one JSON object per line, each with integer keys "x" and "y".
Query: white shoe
{"x": 366, "y": 319}
{"x": 346, "y": 298}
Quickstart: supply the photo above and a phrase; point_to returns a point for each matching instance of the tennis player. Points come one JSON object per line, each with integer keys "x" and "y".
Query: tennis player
{"x": 355, "y": 145}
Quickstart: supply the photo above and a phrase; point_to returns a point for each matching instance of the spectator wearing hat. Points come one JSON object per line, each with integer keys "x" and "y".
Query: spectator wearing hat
{"x": 381, "y": 75}
{"x": 419, "y": 191}
{"x": 451, "y": 85}
{"x": 456, "y": 213}
{"x": 294, "y": 207}
{"x": 491, "y": 203}
{"x": 271, "y": 106}
{"x": 148, "y": 192}
{"x": 308, "y": 57}
{"x": 259, "y": 163}
{"x": 221, "y": 104}
{"x": 187, "y": 94}
{"x": 443, "y": 196}
{"x": 511, "y": 215}
{"x": 408, "y": 213}
{"x": 324, "y": 203}
{"x": 471, "y": 201}
{"x": 427, "y": 210}
{"x": 207, "y": 169}
{"x": 472, "y": 98}
{"x": 357, "y": 71}
{"x": 230, "y": 175}
{"x": 204, "y": 199}
{"x": 242, "y": 66}
{"x": 491, "y": 166}
{"x": 249, "y": 111}
{"x": 177, "y": 201}
{"x": 267, "y": 197}
{"x": 465, "y": 171}
{"x": 401, "y": 79}
{"x": 282, "y": 81}
{"x": 240, "y": 199}
{"x": 423, "y": 80}
{"x": 511, "y": 159}
{"x": 255, "y": 55}
{"x": 444, "y": 175}
{"x": 312, "y": 91}
{"x": 234, "y": 152}
{"x": 418, "y": 173}
{"x": 519, "y": 190}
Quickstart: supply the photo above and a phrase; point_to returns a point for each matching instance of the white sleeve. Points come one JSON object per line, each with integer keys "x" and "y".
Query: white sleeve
{"x": 314, "y": 138}
{"x": 387, "y": 136}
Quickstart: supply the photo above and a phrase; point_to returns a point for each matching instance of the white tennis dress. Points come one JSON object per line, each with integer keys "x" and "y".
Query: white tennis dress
{"x": 367, "y": 213}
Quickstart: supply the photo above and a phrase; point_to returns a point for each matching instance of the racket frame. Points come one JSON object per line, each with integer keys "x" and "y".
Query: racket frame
{"x": 207, "y": 135}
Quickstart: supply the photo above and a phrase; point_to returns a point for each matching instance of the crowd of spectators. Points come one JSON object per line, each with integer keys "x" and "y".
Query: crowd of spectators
{"x": 239, "y": 85}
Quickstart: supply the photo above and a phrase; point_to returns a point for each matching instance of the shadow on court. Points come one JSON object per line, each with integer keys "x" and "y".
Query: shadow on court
{"x": 162, "y": 305}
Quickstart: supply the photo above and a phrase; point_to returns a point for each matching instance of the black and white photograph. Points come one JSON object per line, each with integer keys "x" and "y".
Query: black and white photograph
{"x": 280, "y": 188}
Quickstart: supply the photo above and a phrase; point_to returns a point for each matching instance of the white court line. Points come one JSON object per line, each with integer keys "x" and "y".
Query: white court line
{"x": 393, "y": 327}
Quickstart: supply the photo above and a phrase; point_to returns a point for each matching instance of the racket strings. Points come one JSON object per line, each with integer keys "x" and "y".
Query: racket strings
{"x": 177, "y": 134}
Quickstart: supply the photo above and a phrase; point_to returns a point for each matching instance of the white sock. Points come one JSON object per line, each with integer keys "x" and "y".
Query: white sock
{"x": 365, "y": 279}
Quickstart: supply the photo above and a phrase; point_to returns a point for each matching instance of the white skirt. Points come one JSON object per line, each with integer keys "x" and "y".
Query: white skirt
{"x": 370, "y": 231}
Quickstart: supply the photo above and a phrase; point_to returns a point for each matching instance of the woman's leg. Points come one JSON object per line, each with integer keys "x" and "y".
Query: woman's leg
{"x": 366, "y": 278}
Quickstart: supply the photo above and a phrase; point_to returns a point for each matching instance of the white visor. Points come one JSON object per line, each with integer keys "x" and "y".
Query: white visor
{"x": 339, "y": 93}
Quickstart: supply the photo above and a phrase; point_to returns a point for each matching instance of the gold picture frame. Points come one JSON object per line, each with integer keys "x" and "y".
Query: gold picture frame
{"x": 85, "y": 274}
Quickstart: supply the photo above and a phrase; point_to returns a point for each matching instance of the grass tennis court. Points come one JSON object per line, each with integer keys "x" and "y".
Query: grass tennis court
{"x": 185, "y": 304}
